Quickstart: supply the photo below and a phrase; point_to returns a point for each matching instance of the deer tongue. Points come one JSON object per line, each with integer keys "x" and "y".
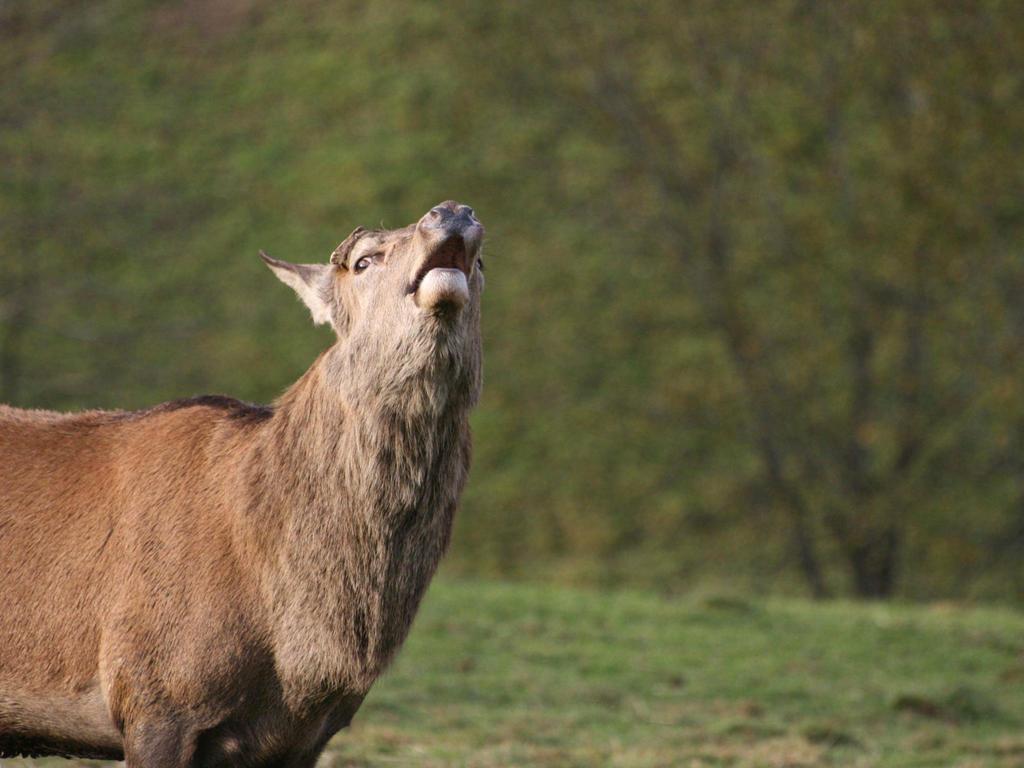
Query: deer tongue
{"x": 443, "y": 285}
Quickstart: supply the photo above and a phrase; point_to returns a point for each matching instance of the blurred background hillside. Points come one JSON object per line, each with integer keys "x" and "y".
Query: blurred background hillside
{"x": 755, "y": 307}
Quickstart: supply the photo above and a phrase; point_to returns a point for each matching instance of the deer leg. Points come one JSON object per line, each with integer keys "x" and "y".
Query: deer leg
{"x": 305, "y": 760}
{"x": 339, "y": 717}
{"x": 159, "y": 743}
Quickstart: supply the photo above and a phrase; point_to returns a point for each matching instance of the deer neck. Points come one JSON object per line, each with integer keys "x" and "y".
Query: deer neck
{"x": 369, "y": 471}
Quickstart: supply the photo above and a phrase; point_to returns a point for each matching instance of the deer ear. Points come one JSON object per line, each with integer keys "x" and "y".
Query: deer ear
{"x": 311, "y": 281}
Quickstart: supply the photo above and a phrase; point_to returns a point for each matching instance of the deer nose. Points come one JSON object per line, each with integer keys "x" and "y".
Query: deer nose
{"x": 450, "y": 216}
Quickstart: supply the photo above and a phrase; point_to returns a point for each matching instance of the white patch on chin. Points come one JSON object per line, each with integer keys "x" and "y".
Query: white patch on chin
{"x": 443, "y": 284}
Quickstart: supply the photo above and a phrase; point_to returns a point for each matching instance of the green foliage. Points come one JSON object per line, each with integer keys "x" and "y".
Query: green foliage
{"x": 752, "y": 315}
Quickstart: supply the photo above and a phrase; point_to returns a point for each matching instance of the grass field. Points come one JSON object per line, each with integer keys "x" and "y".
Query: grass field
{"x": 510, "y": 675}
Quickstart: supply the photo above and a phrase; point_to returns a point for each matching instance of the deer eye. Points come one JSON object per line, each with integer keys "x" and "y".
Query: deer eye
{"x": 480, "y": 264}
{"x": 367, "y": 260}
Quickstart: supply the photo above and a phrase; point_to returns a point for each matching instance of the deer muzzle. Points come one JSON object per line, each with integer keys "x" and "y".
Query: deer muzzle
{"x": 450, "y": 237}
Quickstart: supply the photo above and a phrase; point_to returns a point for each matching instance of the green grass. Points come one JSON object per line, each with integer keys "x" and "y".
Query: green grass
{"x": 512, "y": 675}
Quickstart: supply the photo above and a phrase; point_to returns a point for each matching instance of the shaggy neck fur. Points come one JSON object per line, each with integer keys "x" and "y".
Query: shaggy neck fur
{"x": 370, "y": 452}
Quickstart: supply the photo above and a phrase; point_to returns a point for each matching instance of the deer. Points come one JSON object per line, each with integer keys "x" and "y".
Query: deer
{"x": 209, "y": 582}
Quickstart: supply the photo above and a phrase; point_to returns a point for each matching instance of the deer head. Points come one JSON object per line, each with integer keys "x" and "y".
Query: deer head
{"x": 401, "y": 301}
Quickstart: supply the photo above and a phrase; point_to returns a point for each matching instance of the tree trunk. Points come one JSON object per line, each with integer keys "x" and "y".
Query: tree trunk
{"x": 11, "y": 353}
{"x": 874, "y": 565}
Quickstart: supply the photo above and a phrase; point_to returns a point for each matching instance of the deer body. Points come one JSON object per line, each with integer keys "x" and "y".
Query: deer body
{"x": 213, "y": 583}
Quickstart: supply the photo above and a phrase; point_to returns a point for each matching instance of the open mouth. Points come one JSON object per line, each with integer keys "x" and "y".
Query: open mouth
{"x": 450, "y": 255}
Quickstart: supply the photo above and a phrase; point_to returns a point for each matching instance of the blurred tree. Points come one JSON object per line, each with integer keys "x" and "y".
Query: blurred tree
{"x": 813, "y": 170}
{"x": 753, "y": 270}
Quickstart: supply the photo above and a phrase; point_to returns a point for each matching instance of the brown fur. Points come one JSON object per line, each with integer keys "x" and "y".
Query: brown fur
{"x": 209, "y": 582}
